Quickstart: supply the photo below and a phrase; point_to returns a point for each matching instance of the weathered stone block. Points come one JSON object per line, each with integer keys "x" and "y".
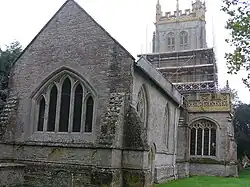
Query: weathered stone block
{"x": 11, "y": 174}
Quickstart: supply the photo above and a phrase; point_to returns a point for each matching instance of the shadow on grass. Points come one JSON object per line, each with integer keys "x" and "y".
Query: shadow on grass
{"x": 204, "y": 181}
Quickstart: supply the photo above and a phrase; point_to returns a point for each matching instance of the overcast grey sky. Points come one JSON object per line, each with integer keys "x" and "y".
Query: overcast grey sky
{"x": 129, "y": 21}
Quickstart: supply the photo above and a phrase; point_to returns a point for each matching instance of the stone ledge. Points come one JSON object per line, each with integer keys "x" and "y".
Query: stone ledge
{"x": 11, "y": 165}
{"x": 210, "y": 161}
{"x": 72, "y": 145}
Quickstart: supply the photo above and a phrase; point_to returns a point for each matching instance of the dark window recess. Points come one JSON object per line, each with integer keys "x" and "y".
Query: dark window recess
{"x": 89, "y": 114}
{"x": 206, "y": 141}
{"x": 173, "y": 41}
{"x": 77, "y": 109}
{"x": 199, "y": 141}
{"x": 41, "y": 114}
{"x": 169, "y": 41}
{"x": 52, "y": 109}
{"x": 65, "y": 106}
{"x": 192, "y": 142}
{"x": 213, "y": 142}
{"x": 186, "y": 39}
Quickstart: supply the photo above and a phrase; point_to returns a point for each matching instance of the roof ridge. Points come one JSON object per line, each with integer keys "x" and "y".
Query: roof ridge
{"x": 45, "y": 26}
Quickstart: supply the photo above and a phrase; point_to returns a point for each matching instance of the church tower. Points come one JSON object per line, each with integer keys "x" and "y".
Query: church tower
{"x": 181, "y": 54}
{"x": 180, "y": 30}
{"x": 180, "y": 49}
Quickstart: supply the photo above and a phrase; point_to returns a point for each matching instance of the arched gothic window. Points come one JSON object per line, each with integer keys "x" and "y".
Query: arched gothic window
{"x": 141, "y": 106}
{"x": 171, "y": 41}
{"x": 89, "y": 114}
{"x": 203, "y": 138}
{"x": 78, "y": 108}
{"x": 52, "y": 109}
{"x": 183, "y": 40}
{"x": 166, "y": 125}
{"x": 41, "y": 114}
{"x": 66, "y": 106}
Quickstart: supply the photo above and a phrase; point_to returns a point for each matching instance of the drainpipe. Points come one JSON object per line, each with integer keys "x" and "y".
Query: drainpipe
{"x": 175, "y": 139}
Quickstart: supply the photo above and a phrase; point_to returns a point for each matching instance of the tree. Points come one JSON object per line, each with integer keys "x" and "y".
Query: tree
{"x": 238, "y": 25}
{"x": 241, "y": 124}
{"x": 7, "y": 58}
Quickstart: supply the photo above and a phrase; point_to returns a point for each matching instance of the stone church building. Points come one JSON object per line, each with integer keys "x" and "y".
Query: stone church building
{"x": 82, "y": 111}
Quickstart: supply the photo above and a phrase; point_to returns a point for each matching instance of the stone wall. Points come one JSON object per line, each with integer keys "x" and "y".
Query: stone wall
{"x": 11, "y": 174}
{"x": 225, "y": 161}
{"x": 73, "y": 42}
{"x": 70, "y": 176}
{"x": 164, "y": 163}
{"x": 225, "y": 170}
{"x": 183, "y": 169}
{"x": 224, "y": 129}
{"x": 7, "y": 117}
{"x": 196, "y": 35}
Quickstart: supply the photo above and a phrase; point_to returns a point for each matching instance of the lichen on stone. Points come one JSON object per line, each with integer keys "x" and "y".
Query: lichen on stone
{"x": 6, "y": 114}
{"x": 111, "y": 118}
{"x": 135, "y": 136}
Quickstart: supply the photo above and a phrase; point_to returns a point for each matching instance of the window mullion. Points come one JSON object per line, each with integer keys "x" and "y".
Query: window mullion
{"x": 46, "y": 114}
{"x": 58, "y": 106}
{"x": 84, "y": 98}
{"x": 71, "y": 109}
{"x": 202, "y": 145}
{"x": 209, "y": 142}
{"x": 196, "y": 137}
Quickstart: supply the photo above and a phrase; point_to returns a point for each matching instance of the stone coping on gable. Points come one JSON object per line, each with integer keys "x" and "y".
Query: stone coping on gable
{"x": 160, "y": 81}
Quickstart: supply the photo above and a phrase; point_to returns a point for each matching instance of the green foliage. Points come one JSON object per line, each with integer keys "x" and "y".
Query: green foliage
{"x": 203, "y": 181}
{"x": 133, "y": 181}
{"x": 7, "y": 58}
{"x": 241, "y": 124}
{"x": 238, "y": 25}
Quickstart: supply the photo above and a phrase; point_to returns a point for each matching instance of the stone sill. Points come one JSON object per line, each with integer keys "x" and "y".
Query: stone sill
{"x": 209, "y": 161}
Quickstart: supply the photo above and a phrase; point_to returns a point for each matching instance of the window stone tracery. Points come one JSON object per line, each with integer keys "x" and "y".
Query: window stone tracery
{"x": 141, "y": 106}
{"x": 203, "y": 138}
{"x": 171, "y": 41}
{"x": 166, "y": 126}
{"x": 183, "y": 40}
{"x": 65, "y": 105}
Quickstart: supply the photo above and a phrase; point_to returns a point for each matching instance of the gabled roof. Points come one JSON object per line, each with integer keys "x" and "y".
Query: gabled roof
{"x": 63, "y": 6}
{"x": 159, "y": 80}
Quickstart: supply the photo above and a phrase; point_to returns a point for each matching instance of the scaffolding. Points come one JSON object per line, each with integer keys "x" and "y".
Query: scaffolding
{"x": 190, "y": 70}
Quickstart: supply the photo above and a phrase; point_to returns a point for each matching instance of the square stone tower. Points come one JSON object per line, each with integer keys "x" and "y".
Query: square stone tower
{"x": 206, "y": 144}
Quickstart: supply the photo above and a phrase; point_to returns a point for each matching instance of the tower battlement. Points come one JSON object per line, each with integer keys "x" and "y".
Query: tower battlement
{"x": 196, "y": 13}
{"x": 185, "y": 13}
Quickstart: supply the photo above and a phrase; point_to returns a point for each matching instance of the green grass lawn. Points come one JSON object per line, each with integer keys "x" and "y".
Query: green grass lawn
{"x": 242, "y": 181}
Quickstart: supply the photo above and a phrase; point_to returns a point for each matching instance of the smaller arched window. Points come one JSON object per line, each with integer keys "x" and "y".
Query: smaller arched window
{"x": 89, "y": 114}
{"x": 203, "y": 138}
{"x": 183, "y": 40}
{"x": 65, "y": 106}
{"x": 41, "y": 114}
{"x": 141, "y": 106}
{"x": 77, "y": 119}
{"x": 166, "y": 125}
{"x": 52, "y": 109}
{"x": 171, "y": 41}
